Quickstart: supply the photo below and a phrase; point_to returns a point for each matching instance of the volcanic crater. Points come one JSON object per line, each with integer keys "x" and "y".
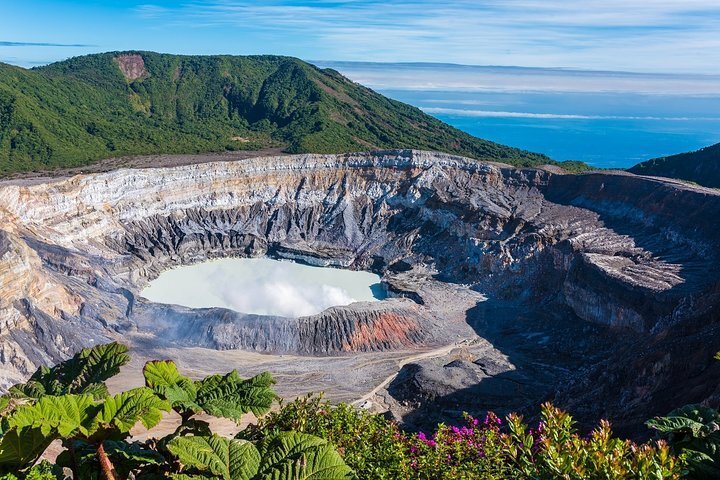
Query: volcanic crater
{"x": 507, "y": 287}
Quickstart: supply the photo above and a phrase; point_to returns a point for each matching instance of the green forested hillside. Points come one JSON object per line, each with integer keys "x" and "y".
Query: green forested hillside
{"x": 97, "y": 106}
{"x": 701, "y": 167}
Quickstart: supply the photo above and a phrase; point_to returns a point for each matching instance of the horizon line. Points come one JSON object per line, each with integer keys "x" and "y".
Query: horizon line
{"x": 558, "y": 69}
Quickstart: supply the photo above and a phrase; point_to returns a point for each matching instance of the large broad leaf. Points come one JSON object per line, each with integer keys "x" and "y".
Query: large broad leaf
{"x": 22, "y": 447}
{"x": 4, "y": 405}
{"x": 32, "y": 427}
{"x": 63, "y": 417}
{"x": 696, "y": 420}
{"x": 86, "y": 373}
{"x": 165, "y": 380}
{"x": 132, "y": 454}
{"x": 230, "y": 396}
{"x": 221, "y": 457}
{"x": 121, "y": 412}
{"x": 299, "y": 456}
{"x": 192, "y": 426}
{"x": 41, "y": 383}
{"x": 702, "y": 465}
{"x": 694, "y": 432}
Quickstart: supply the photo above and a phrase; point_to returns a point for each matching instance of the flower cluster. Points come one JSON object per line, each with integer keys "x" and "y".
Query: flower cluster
{"x": 481, "y": 448}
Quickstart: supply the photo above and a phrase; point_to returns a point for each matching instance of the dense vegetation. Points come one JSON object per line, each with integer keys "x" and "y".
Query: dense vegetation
{"x": 71, "y": 403}
{"x": 113, "y": 104}
{"x": 308, "y": 438}
{"x": 701, "y": 167}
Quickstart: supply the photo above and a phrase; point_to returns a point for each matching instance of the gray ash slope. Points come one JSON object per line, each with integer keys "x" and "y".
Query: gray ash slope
{"x": 599, "y": 291}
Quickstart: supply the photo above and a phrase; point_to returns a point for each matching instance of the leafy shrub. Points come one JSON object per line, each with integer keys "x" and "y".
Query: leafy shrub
{"x": 489, "y": 449}
{"x": 42, "y": 471}
{"x": 305, "y": 439}
{"x": 693, "y": 432}
{"x": 555, "y": 450}
{"x": 374, "y": 447}
{"x": 71, "y": 403}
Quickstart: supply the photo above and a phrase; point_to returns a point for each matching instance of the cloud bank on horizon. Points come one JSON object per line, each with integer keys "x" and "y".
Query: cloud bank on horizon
{"x": 471, "y": 78}
{"x": 629, "y": 35}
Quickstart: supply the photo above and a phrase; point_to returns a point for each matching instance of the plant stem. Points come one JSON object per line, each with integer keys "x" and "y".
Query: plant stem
{"x": 185, "y": 416}
{"x": 106, "y": 465}
{"x": 73, "y": 459}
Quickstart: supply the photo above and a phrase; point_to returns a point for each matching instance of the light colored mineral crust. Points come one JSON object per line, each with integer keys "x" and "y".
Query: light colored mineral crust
{"x": 617, "y": 250}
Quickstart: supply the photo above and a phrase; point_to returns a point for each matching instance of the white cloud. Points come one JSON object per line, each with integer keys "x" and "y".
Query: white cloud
{"x": 644, "y": 35}
{"x": 501, "y": 114}
{"x": 276, "y": 296}
{"x": 464, "y": 78}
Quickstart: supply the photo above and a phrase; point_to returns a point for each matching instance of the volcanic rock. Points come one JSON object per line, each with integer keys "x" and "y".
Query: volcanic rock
{"x": 599, "y": 290}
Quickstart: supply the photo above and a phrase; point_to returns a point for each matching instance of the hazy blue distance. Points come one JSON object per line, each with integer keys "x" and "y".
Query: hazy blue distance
{"x": 607, "y": 119}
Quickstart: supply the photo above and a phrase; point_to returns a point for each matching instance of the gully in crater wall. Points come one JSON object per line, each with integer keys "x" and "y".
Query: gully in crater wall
{"x": 615, "y": 250}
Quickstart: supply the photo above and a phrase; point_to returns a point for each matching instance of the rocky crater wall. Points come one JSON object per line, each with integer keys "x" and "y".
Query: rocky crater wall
{"x": 625, "y": 252}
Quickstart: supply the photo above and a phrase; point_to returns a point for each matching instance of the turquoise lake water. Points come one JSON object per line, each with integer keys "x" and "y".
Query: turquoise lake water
{"x": 263, "y": 286}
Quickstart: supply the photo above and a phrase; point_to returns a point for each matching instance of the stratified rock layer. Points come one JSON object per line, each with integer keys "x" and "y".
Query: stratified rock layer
{"x": 636, "y": 257}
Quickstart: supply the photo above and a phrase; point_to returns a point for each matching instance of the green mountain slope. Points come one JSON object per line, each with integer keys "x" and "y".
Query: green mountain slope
{"x": 97, "y": 106}
{"x": 701, "y": 167}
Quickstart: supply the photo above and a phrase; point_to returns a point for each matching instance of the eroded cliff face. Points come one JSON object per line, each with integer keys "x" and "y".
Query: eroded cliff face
{"x": 636, "y": 257}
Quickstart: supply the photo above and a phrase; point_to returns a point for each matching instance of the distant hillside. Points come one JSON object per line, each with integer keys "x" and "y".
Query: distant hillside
{"x": 113, "y": 104}
{"x": 701, "y": 167}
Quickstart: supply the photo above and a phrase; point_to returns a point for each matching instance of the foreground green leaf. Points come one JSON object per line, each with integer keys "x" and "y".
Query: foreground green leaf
{"x": 165, "y": 380}
{"x": 230, "y": 396}
{"x": 65, "y": 415}
{"x": 85, "y": 373}
{"x": 22, "y": 447}
{"x": 697, "y": 420}
{"x": 225, "y": 458}
{"x": 121, "y": 412}
{"x": 693, "y": 431}
{"x": 299, "y": 456}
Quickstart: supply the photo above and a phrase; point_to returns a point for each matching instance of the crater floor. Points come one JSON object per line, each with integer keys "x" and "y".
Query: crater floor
{"x": 507, "y": 287}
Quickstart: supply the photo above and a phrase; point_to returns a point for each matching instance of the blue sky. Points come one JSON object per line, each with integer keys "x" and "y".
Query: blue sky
{"x": 672, "y": 36}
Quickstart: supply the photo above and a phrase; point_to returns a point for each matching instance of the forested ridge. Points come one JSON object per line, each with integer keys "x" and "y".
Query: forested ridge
{"x": 114, "y": 104}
